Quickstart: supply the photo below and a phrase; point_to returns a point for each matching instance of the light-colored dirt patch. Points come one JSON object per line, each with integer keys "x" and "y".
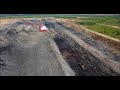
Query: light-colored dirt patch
{"x": 7, "y": 21}
{"x": 109, "y": 25}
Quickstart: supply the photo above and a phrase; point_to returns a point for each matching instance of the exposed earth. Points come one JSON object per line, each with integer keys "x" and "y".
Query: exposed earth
{"x": 59, "y": 51}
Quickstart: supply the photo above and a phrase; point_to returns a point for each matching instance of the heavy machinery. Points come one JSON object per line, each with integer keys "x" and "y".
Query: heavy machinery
{"x": 41, "y": 27}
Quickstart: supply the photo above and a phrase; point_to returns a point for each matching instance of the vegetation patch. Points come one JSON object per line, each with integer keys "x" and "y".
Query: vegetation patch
{"x": 106, "y": 30}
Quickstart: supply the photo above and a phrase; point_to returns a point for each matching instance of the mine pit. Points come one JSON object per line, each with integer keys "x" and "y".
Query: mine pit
{"x": 58, "y": 51}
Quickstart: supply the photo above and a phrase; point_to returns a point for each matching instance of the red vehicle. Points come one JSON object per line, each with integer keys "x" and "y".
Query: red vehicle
{"x": 42, "y": 28}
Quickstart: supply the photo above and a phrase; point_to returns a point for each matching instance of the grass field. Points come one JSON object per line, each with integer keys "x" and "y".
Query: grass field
{"x": 92, "y": 23}
{"x": 113, "y": 32}
{"x": 109, "y": 20}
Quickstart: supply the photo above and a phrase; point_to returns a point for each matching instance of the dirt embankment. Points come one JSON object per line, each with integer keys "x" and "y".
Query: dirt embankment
{"x": 4, "y": 21}
{"x": 112, "y": 42}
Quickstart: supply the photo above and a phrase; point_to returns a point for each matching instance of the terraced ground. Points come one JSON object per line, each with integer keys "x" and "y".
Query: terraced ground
{"x": 60, "y": 51}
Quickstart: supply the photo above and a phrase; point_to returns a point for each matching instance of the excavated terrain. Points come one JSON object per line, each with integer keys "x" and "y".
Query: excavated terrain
{"x": 60, "y": 51}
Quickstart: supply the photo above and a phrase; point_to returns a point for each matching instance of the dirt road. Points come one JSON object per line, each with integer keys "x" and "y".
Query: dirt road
{"x": 109, "y": 25}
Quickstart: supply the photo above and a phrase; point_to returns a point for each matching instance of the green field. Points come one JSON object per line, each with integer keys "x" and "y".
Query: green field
{"x": 108, "y": 20}
{"x": 92, "y": 23}
{"x": 113, "y": 32}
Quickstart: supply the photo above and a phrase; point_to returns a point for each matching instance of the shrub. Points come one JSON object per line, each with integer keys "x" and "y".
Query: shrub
{"x": 87, "y": 23}
{"x": 119, "y": 21}
{"x": 117, "y": 33}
